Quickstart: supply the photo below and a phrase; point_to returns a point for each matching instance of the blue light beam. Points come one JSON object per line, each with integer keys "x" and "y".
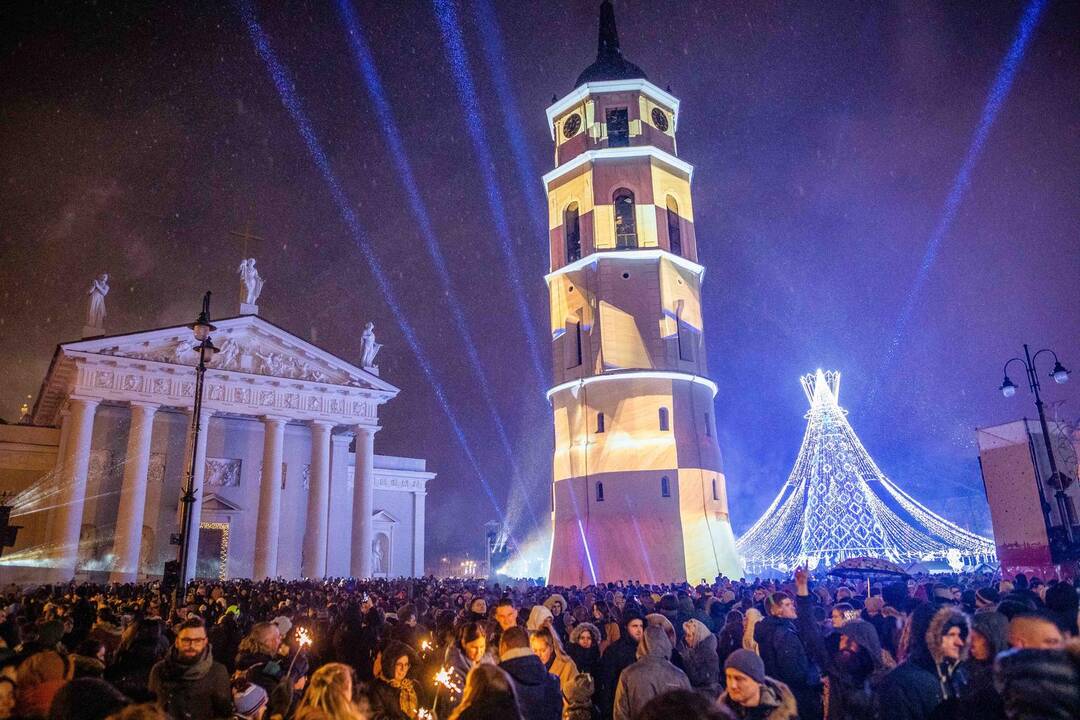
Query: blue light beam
{"x": 494, "y": 58}
{"x": 365, "y": 63}
{"x": 454, "y": 43}
{"x": 291, "y": 101}
{"x": 998, "y": 93}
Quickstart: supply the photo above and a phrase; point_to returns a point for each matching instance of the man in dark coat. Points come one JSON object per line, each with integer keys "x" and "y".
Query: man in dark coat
{"x": 188, "y": 684}
{"x": 932, "y": 673}
{"x": 538, "y": 693}
{"x": 785, "y": 656}
{"x": 618, "y": 656}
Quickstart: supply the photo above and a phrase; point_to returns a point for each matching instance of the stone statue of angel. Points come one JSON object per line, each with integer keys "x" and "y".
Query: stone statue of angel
{"x": 251, "y": 281}
{"x": 368, "y": 347}
{"x": 95, "y": 314}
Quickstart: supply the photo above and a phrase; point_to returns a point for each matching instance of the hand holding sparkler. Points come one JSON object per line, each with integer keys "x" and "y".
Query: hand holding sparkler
{"x": 303, "y": 640}
{"x": 446, "y": 679}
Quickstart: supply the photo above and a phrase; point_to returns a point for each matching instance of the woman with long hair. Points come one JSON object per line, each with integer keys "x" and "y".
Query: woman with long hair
{"x": 753, "y": 617}
{"x": 329, "y": 695}
{"x": 489, "y": 693}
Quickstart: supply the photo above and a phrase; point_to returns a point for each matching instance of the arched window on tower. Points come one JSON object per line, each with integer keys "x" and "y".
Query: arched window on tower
{"x": 715, "y": 494}
{"x": 625, "y": 223}
{"x": 674, "y": 230}
{"x": 599, "y": 422}
{"x": 599, "y": 492}
{"x": 665, "y": 424}
{"x": 572, "y": 230}
{"x": 572, "y": 342}
{"x": 665, "y": 487}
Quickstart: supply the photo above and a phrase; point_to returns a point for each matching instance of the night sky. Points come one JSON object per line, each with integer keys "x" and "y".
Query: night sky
{"x": 134, "y": 137}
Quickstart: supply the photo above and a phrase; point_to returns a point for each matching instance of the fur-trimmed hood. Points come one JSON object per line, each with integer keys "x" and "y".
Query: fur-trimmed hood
{"x": 774, "y": 694}
{"x": 582, "y": 627}
{"x": 942, "y": 621}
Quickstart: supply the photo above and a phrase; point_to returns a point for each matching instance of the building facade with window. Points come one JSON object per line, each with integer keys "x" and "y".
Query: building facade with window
{"x": 638, "y": 487}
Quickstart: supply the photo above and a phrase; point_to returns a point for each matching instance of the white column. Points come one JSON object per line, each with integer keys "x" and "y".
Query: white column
{"x": 198, "y": 474}
{"x": 268, "y": 523}
{"x": 363, "y": 500}
{"x": 129, "y": 516}
{"x": 72, "y": 495}
{"x": 419, "y": 503}
{"x": 318, "y": 501}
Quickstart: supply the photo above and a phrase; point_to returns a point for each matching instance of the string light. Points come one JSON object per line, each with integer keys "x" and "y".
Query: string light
{"x": 837, "y": 504}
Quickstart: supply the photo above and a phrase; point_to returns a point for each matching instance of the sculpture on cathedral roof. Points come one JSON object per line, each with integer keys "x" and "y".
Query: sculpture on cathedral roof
{"x": 95, "y": 312}
{"x": 251, "y": 282}
{"x": 368, "y": 347}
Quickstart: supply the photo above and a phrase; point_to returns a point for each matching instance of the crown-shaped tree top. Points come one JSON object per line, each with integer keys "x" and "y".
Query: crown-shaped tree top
{"x": 822, "y": 388}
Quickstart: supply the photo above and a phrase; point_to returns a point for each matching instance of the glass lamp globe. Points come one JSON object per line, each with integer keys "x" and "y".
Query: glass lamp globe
{"x": 1008, "y": 387}
{"x": 1060, "y": 374}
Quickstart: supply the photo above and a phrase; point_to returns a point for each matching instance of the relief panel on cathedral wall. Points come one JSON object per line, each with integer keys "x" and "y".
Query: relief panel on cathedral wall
{"x": 222, "y": 472}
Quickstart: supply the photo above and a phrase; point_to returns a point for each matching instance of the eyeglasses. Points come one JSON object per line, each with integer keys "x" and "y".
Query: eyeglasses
{"x": 191, "y": 641}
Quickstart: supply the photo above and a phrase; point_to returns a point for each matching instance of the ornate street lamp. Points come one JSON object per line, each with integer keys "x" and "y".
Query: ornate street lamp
{"x": 201, "y": 329}
{"x": 1058, "y": 480}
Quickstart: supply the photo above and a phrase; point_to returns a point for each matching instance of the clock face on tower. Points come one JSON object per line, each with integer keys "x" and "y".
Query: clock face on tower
{"x": 571, "y": 126}
{"x": 659, "y": 119}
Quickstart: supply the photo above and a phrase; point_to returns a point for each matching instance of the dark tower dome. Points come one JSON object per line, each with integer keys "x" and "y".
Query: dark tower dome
{"x": 610, "y": 64}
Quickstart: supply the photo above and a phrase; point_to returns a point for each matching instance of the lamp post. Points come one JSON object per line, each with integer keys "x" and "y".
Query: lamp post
{"x": 1008, "y": 389}
{"x": 201, "y": 329}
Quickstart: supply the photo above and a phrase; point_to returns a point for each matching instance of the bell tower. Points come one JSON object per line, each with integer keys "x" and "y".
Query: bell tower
{"x": 638, "y": 489}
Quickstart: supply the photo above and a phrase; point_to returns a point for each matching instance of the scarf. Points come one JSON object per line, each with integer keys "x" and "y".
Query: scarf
{"x": 406, "y": 696}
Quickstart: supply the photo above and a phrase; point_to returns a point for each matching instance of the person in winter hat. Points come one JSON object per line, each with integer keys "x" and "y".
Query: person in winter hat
{"x": 932, "y": 673}
{"x": 699, "y": 659}
{"x": 751, "y": 693}
{"x": 989, "y": 637}
{"x": 855, "y": 668}
{"x": 651, "y": 675}
{"x": 1042, "y": 684}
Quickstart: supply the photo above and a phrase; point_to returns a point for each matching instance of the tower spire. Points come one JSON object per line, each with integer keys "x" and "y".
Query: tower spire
{"x": 608, "y": 44}
{"x": 610, "y": 64}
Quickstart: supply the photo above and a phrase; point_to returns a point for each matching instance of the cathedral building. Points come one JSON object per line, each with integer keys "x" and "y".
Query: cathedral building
{"x": 638, "y": 486}
{"x": 287, "y": 480}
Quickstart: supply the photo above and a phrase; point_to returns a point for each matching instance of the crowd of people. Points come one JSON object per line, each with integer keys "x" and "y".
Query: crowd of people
{"x": 937, "y": 647}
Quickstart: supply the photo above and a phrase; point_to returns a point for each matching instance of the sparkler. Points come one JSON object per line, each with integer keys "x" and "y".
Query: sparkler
{"x": 303, "y": 640}
{"x": 446, "y": 679}
{"x": 425, "y": 648}
{"x": 425, "y": 714}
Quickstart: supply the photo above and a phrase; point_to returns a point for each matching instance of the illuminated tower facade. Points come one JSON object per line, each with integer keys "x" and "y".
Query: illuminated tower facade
{"x": 638, "y": 489}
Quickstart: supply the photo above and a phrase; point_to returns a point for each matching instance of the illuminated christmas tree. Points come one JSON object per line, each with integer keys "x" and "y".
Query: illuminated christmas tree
{"x": 837, "y": 504}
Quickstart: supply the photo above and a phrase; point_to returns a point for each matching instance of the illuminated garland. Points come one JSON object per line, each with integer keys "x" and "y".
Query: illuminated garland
{"x": 837, "y": 504}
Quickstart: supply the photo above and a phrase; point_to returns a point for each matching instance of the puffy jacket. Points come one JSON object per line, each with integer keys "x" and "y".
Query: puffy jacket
{"x": 776, "y": 703}
{"x": 651, "y": 675}
{"x": 787, "y": 660}
{"x": 538, "y": 692}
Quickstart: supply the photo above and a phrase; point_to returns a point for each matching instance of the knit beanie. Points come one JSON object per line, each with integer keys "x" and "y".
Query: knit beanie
{"x": 249, "y": 700}
{"x": 748, "y": 663}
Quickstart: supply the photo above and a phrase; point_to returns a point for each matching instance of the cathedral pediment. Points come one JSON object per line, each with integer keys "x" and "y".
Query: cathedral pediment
{"x": 246, "y": 344}
{"x": 215, "y": 503}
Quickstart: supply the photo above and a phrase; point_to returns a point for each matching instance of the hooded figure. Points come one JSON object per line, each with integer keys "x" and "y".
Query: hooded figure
{"x": 989, "y": 636}
{"x": 393, "y": 693}
{"x": 855, "y": 669}
{"x": 587, "y": 659}
{"x": 928, "y": 676}
{"x": 1041, "y": 684}
{"x": 651, "y": 675}
{"x": 618, "y": 656}
{"x": 537, "y": 617}
{"x": 698, "y": 652}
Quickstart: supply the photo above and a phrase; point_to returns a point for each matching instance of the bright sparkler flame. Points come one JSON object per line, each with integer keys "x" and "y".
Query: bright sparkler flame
{"x": 303, "y": 638}
{"x": 424, "y": 714}
{"x": 444, "y": 678}
{"x": 425, "y": 646}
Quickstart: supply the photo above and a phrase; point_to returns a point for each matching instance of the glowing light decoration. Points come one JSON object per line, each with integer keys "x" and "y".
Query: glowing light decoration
{"x": 837, "y": 504}
{"x": 445, "y": 678}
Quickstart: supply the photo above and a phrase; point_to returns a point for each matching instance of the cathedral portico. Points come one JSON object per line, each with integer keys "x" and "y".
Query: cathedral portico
{"x": 273, "y": 450}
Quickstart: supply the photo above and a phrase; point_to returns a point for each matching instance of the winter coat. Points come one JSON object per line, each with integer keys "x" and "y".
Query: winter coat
{"x": 586, "y": 659}
{"x": 538, "y": 692}
{"x": 853, "y": 677}
{"x": 225, "y": 637}
{"x": 915, "y": 689}
{"x": 386, "y": 701}
{"x": 700, "y": 661}
{"x": 618, "y": 656}
{"x": 195, "y": 691}
{"x": 776, "y": 703}
{"x": 130, "y": 671}
{"x": 787, "y": 660}
{"x": 651, "y": 675}
{"x": 108, "y": 635}
{"x": 729, "y": 639}
{"x": 562, "y": 667}
{"x": 980, "y": 699}
{"x": 1042, "y": 684}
